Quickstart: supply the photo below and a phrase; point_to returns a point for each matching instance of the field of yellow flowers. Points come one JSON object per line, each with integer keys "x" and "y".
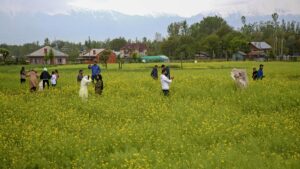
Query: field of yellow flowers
{"x": 206, "y": 122}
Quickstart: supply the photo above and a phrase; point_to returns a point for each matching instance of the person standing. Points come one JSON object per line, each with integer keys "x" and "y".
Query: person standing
{"x": 167, "y": 68}
{"x": 80, "y": 76}
{"x": 33, "y": 80}
{"x": 165, "y": 82}
{"x": 45, "y": 76}
{"x": 154, "y": 73}
{"x": 260, "y": 72}
{"x": 83, "y": 92}
{"x": 95, "y": 70}
{"x": 254, "y": 74}
{"x": 57, "y": 74}
{"x": 23, "y": 75}
{"x": 99, "y": 84}
{"x": 53, "y": 79}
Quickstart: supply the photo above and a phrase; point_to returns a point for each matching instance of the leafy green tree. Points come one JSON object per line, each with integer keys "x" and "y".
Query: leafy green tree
{"x": 46, "y": 42}
{"x": 104, "y": 56}
{"x": 117, "y": 44}
{"x": 4, "y": 53}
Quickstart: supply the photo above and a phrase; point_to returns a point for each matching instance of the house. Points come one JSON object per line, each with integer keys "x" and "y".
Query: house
{"x": 38, "y": 56}
{"x": 258, "y": 50}
{"x": 130, "y": 48}
{"x": 239, "y": 55}
{"x": 160, "y": 58}
{"x": 202, "y": 55}
{"x": 95, "y": 54}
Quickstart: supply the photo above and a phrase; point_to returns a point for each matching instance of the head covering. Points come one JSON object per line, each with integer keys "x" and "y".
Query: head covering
{"x": 240, "y": 76}
{"x": 45, "y": 69}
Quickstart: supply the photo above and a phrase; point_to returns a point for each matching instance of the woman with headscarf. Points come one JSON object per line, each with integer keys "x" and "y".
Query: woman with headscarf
{"x": 83, "y": 92}
{"x": 33, "y": 80}
{"x": 240, "y": 77}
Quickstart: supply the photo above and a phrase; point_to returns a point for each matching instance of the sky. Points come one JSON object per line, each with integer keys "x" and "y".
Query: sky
{"x": 184, "y": 8}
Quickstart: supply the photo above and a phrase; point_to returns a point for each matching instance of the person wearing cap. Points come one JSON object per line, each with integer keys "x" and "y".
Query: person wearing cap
{"x": 260, "y": 73}
{"x": 45, "y": 76}
{"x": 95, "y": 70}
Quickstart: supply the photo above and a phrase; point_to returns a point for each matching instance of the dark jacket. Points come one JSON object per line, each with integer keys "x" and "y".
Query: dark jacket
{"x": 154, "y": 73}
{"x": 254, "y": 75}
{"x": 45, "y": 75}
{"x": 99, "y": 87}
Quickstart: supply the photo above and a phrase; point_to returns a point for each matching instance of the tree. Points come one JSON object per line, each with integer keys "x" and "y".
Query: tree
{"x": 104, "y": 56}
{"x": 120, "y": 61}
{"x": 46, "y": 57}
{"x": 117, "y": 43}
{"x": 51, "y": 56}
{"x": 135, "y": 57}
{"x": 243, "y": 18}
{"x": 46, "y": 42}
{"x": 4, "y": 53}
{"x": 212, "y": 44}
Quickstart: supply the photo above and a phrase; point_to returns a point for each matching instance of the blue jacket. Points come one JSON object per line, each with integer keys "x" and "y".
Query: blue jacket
{"x": 96, "y": 70}
{"x": 260, "y": 74}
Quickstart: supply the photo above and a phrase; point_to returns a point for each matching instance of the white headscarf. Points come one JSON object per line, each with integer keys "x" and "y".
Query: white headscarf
{"x": 240, "y": 76}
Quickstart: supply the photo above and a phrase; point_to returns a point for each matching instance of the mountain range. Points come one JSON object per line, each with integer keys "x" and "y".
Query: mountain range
{"x": 77, "y": 26}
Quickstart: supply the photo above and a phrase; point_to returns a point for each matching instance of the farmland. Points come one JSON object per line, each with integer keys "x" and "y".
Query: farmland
{"x": 206, "y": 122}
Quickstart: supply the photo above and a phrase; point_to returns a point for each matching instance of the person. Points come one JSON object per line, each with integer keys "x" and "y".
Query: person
{"x": 95, "y": 70}
{"x": 260, "y": 73}
{"x": 23, "y": 75}
{"x": 154, "y": 74}
{"x": 45, "y": 76}
{"x": 254, "y": 74}
{"x": 53, "y": 79}
{"x": 41, "y": 86}
{"x": 240, "y": 77}
{"x": 165, "y": 82}
{"x": 57, "y": 74}
{"x": 80, "y": 75}
{"x": 167, "y": 70}
{"x": 99, "y": 84}
{"x": 33, "y": 79}
{"x": 83, "y": 92}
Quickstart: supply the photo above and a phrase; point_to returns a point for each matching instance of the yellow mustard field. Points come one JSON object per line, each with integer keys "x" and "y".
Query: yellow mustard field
{"x": 206, "y": 122}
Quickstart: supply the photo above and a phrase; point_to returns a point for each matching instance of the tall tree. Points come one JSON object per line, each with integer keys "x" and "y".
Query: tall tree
{"x": 46, "y": 42}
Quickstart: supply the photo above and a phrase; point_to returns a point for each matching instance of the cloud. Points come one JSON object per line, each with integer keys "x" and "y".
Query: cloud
{"x": 156, "y": 7}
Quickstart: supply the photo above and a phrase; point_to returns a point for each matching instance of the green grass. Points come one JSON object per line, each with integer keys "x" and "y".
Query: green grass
{"x": 205, "y": 123}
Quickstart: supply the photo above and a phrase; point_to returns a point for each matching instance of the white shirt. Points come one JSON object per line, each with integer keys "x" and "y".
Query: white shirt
{"x": 53, "y": 79}
{"x": 165, "y": 82}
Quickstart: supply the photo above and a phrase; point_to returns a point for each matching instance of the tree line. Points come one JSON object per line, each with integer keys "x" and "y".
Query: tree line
{"x": 211, "y": 35}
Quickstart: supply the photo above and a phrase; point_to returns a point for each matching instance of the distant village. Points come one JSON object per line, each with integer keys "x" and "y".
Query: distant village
{"x": 258, "y": 51}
